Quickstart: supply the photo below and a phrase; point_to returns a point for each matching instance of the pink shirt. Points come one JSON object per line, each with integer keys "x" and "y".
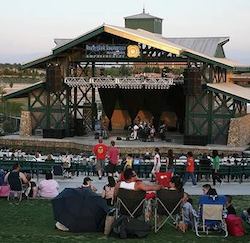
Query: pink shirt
{"x": 113, "y": 154}
{"x": 48, "y": 188}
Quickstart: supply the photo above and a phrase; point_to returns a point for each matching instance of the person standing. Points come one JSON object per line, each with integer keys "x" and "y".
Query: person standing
{"x": 66, "y": 159}
{"x": 100, "y": 151}
{"x": 190, "y": 169}
{"x": 157, "y": 163}
{"x": 170, "y": 161}
{"x": 113, "y": 155}
{"x": 135, "y": 131}
{"x": 216, "y": 167}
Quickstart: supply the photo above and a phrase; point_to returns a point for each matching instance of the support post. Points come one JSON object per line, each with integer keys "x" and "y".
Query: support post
{"x": 93, "y": 103}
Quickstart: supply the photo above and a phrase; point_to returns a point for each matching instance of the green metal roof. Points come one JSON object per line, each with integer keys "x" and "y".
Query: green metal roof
{"x": 235, "y": 91}
{"x": 38, "y": 63}
{"x": 24, "y": 92}
{"x": 79, "y": 40}
{"x": 140, "y": 36}
{"x": 142, "y": 15}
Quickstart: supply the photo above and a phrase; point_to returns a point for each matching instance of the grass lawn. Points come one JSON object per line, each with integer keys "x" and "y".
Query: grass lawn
{"x": 32, "y": 221}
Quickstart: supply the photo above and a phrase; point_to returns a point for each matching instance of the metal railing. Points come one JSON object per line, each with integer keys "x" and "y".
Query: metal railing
{"x": 122, "y": 82}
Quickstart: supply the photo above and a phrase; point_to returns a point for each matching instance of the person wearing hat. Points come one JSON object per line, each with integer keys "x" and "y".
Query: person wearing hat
{"x": 87, "y": 183}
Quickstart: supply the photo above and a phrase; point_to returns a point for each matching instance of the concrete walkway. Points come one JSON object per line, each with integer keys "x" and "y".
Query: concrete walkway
{"x": 232, "y": 188}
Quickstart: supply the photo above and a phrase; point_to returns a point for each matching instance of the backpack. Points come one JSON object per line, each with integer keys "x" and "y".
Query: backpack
{"x": 126, "y": 227}
{"x": 235, "y": 225}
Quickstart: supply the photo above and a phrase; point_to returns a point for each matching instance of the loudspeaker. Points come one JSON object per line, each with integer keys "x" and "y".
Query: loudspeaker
{"x": 192, "y": 81}
{"x": 195, "y": 140}
{"x": 79, "y": 127}
{"x": 71, "y": 132}
{"x": 54, "y": 80}
{"x": 53, "y": 133}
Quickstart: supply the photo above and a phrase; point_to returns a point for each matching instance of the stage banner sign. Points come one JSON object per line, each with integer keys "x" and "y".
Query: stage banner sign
{"x": 111, "y": 51}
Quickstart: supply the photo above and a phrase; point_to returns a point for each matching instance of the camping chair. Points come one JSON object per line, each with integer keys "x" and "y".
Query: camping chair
{"x": 130, "y": 203}
{"x": 211, "y": 216}
{"x": 167, "y": 203}
{"x": 16, "y": 189}
{"x": 163, "y": 178}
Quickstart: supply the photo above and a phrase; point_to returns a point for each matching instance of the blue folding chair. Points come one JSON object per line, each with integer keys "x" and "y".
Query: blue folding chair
{"x": 211, "y": 219}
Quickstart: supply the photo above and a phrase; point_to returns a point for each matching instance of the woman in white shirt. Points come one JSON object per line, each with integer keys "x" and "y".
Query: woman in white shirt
{"x": 157, "y": 163}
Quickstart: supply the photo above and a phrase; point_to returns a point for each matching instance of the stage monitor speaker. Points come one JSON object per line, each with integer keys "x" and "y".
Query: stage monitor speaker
{"x": 53, "y": 133}
{"x": 192, "y": 81}
{"x": 54, "y": 81}
{"x": 195, "y": 140}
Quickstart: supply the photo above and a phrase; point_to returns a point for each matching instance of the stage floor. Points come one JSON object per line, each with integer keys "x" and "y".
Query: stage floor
{"x": 85, "y": 143}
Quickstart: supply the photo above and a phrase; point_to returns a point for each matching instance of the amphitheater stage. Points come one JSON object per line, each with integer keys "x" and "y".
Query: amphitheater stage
{"x": 85, "y": 144}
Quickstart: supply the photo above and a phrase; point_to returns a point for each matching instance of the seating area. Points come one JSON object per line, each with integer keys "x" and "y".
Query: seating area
{"x": 233, "y": 168}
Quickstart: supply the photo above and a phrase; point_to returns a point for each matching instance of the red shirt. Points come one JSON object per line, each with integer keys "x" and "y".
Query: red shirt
{"x": 113, "y": 154}
{"x": 100, "y": 151}
{"x": 190, "y": 165}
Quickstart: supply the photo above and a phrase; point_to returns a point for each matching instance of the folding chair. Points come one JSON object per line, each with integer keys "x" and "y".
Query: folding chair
{"x": 211, "y": 216}
{"x": 167, "y": 203}
{"x": 130, "y": 203}
{"x": 163, "y": 178}
{"x": 16, "y": 189}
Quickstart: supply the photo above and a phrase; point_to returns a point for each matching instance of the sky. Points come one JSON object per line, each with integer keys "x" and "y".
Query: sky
{"x": 28, "y": 27}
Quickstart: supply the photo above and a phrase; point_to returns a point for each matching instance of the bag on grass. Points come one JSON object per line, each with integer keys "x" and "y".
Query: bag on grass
{"x": 4, "y": 191}
{"x": 126, "y": 227}
{"x": 235, "y": 225}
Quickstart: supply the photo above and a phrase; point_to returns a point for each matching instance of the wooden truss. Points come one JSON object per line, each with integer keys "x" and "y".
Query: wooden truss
{"x": 209, "y": 113}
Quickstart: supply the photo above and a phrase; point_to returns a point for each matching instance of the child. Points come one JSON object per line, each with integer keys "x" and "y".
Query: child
{"x": 32, "y": 189}
{"x": 190, "y": 169}
{"x": 229, "y": 205}
{"x": 108, "y": 191}
{"x": 188, "y": 212}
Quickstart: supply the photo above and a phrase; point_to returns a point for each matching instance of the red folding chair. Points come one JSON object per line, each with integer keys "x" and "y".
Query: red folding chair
{"x": 163, "y": 178}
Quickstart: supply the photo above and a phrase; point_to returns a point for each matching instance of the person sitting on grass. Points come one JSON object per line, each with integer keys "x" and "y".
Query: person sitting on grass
{"x": 229, "y": 206}
{"x": 87, "y": 183}
{"x": 208, "y": 190}
{"x": 176, "y": 184}
{"x": 16, "y": 175}
{"x": 32, "y": 189}
{"x": 109, "y": 190}
{"x": 49, "y": 187}
{"x": 245, "y": 215}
